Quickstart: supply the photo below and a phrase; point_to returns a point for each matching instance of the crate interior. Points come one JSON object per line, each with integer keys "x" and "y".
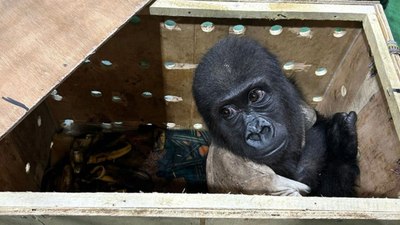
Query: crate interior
{"x": 114, "y": 85}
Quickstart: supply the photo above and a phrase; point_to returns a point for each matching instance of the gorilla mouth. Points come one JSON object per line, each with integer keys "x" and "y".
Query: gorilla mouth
{"x": 266, "y": 142}
{"x": 254, "y": 137}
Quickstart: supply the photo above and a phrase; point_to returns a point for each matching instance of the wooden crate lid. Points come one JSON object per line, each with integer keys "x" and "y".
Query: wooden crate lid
{"x": 42, "y": 42}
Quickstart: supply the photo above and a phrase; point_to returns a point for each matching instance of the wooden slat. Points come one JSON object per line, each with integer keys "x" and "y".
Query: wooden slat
{"x": 384, "y": 65}
{"x": 379, "y": 150}
{"x": 101, "y": 220}
{"x": 260, "y": 10}
{"x": 43, "y": 41}
{"x": 196, "y": 205}
{"x": 74, "y": 220}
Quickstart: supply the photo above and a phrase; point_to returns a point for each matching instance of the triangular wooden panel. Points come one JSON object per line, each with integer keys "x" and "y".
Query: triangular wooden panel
{"x": 42, "y": 42}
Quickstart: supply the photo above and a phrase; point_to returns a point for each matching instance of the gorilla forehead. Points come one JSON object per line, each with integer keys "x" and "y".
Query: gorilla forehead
{"x": 232, "y": 62}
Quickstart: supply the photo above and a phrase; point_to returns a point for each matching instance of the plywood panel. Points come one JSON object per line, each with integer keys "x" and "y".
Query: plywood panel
{"x": 379, "y": 150}
{"x": 355, "y": 87}
{"x": 43, "y": 41}
{"x": 321, "y": 49}
{"x": 135, "y": 54}
{"x": 355, "y": 68}
{"x": 178, "y": 47}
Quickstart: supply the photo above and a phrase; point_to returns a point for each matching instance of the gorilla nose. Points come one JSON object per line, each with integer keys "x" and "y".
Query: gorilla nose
{"x": 257, "y": 128}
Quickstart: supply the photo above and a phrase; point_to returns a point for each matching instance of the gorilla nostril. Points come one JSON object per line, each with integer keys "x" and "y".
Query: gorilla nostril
{"x": 265, "y": 130}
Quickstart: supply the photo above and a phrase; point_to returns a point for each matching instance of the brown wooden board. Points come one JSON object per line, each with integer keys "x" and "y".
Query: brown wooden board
{"x": 185, "y": 44}
{"x": 26, "y": 148}
{"x": 320, "y": 50}
{"x": 379, "y": 150}
{"x": 135, "y": 54}
{"x": 177, "y": 47}
{"x": 355, "y": 68}
{"x": 354, "y": 87}
{"x": 43, "y": 41}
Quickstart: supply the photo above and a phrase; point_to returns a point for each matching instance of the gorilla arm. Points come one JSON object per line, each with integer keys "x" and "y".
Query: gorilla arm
{"x": 227, "y": 172}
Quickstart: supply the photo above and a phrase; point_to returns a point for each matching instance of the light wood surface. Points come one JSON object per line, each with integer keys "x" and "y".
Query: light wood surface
{"x": 42, "y": 42}
{"x": 197, "y": 206}
{"x": 261, "y": 10}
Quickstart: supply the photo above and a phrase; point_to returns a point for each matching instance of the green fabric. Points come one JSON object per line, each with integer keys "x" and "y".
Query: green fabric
{"x": 392, "y": 12}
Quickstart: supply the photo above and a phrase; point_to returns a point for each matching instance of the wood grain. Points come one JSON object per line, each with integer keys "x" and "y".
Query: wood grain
{"x": 354, "y": 69}
{"x": 386, "y": 67}
{"x": 379, "y": 150}
{"x": 43, "y": 41}
{"x": 135, "y": 54}
{"x": 178, "y": 47}
{"x": 198, "y": 206}
{"x": 261, "y": 10}
{"x": 188, "y": 45}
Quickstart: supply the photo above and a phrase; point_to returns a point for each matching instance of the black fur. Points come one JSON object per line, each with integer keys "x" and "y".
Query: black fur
{"x": 251, "y": 108}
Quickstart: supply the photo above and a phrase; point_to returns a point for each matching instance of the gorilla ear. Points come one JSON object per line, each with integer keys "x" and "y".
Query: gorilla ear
{"x": 310, "y": 117}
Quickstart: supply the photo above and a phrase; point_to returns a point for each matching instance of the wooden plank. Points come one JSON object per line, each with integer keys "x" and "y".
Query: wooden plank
{"x": 178, "y": 47}
{"x": 386, "y": 70}
{"x": 352, "y": 72}
{"x": 73, "y": 220}
{"x": 43, "y": 41}
{"x": 321, "y": 49}
{"x": 354, "y": 88}
{"x": 260, "y": 10}
{"x": 379, "y": 152}
{"x": 296, "y": 222}
{"x": 83, "y": 220}
{"x": 196, "y": 205}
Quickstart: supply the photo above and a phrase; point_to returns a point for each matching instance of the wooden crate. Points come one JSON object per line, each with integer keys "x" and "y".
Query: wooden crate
{"x": 48, "y": 46}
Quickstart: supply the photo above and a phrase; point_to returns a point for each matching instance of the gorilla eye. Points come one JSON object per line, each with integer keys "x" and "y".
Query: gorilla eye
{"x": 227, "y": 112}
{"x": 256, "y": 94}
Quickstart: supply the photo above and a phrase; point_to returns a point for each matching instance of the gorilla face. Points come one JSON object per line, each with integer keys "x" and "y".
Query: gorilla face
{"x": 251, "y": 119}
{"x": 247, "y": 103}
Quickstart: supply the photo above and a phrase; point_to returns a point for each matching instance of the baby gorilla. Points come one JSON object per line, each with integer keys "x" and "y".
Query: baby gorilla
{"x": 253, "y": 110}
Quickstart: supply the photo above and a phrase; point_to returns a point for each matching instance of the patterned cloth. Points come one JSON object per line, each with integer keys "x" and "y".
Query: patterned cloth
{"x": 185, "y": 156}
